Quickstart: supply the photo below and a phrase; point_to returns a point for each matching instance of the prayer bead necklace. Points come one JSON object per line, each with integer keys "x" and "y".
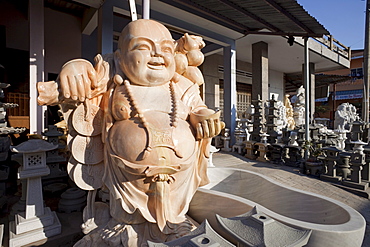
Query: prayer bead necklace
{"x": 143, "y": 120}
{"x": 174, "y": 105}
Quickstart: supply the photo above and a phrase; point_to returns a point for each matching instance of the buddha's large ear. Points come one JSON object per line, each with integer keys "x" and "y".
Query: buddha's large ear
{"x": 117, "y": 58}
{"x": 117, "y": 64}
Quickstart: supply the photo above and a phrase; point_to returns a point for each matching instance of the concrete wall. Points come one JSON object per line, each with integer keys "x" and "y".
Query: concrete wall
{"x": 276, "y": 83}
{"x": 62, "y": 44}
{"x": 212, "y": 77}
{"x": 16, "y": 25}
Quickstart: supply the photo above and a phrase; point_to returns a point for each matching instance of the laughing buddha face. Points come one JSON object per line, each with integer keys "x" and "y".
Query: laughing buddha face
{"x": 147, "y": 53}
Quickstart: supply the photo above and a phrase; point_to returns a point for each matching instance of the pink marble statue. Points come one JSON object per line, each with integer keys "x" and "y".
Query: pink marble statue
{"x": 139, "y": 130}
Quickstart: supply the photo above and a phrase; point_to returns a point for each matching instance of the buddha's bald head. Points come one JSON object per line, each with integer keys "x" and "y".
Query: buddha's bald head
{"x": 143, "y": 27}
{"x": 147, "y": 52}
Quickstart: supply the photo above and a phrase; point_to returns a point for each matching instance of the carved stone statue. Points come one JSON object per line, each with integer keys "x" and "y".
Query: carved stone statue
{"x": 298, "y": 101}
{"x": 345, "y": 115}
{"x": 138, "y": 129}
{"x": 289, "y": 113}
{"x": 282, "y": 120}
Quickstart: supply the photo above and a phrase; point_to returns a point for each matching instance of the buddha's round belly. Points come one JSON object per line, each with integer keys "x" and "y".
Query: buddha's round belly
{"x": 168, "y": 145}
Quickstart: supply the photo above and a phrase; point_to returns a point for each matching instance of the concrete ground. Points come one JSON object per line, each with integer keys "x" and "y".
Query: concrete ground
{"x": 286, "y": 175}
{"x": 293, "y": 177}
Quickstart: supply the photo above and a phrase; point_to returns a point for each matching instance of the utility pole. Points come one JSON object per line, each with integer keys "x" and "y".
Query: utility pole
{"x": 365, "y": 105}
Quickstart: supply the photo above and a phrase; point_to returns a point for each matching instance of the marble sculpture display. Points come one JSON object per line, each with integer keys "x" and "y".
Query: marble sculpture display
{"x": 345, "y": 115}
{"x": 139, "y": 128}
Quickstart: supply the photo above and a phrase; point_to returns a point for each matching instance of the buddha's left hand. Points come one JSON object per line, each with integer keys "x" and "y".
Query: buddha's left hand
{"x": 207, "y": 123}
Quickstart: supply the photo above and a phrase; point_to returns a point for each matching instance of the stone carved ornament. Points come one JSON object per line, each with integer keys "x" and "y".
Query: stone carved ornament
{"x": 139, "y": 129}
{"x": 289, "y": 113}
{"x": 298, "y": 101}
{"x": 345, "y": 115}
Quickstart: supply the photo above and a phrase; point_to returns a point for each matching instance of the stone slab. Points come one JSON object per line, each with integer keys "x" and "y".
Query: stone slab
{"x": 360, "y": 186}
{"x": 294, "y": 178}
{"x": 333, "y": 223}
{"x": 358, "y": 192}
{"x": 330, "y": 179}
{"x": 25, "y": 225}
{"x": 33, "y": 237}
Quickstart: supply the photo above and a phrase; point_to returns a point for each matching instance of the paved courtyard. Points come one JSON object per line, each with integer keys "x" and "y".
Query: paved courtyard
{"x": 291, "y": 176}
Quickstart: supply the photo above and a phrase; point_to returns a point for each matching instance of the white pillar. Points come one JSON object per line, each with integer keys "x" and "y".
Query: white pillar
{"x": 36, "y": 27}
{"x": 146, "y": 9}
{"x": 366, "y": 94}
{"x": 311, "y": 76}
{"x": 307, "y": 92}
{"x": 230, "y": 100}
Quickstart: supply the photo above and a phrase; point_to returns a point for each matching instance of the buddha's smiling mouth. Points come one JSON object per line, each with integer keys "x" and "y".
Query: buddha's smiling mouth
{"x": 156, "y": 63}
{"x": 156, "y": 66}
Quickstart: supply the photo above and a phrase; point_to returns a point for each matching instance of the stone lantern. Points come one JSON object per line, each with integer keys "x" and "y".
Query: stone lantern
{"x": 366, "y": 168}
{"x": 271, "y": 121}
{"x": 343, "y": 164}
{"x": 257, "y": 120}
{"x": 37, "y": 223}
{"x": 357, "y": 130}
{"x": 357, "y": 161}
{"x": 240, "y": 136}
{"x": 263, "y": 148}
{"x": 331, "y": 160}
{"x": 226, "y": 139}
{"x": 53, "y": 159}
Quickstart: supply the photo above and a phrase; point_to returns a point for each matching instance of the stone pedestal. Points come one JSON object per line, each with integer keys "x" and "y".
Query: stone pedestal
{"x": 37, "y": 222}
{"x": 249, "y": 150}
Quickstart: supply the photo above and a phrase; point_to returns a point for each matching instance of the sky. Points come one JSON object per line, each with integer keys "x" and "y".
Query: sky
{"x": 344, "y": 19}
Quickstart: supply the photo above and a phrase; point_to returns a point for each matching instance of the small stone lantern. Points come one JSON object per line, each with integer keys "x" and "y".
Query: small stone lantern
{"x": 37, "y": 222}
{"x": 357, "y": 162}
{"x": 331, "y": 160}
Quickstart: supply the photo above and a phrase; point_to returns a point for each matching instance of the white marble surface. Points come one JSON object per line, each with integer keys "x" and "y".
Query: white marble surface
{"x": 333, "y": 223}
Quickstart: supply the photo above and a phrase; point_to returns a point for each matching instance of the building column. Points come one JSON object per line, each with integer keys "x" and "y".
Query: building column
{"x": 311, "y": 74}
{"x": 312, "y": 87}
{"x": 37, "y": 53}
{"x": 211, "y": 92}
{"x": 307, "y": 91}
{"x": 230, "y": 89}
{"x": 211, "y": 84}
{"x": 105, "y": 28}
{"x": 260, "y": 69}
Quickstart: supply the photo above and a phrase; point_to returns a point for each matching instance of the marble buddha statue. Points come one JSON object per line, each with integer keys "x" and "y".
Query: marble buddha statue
{"x": 138, "y": 131}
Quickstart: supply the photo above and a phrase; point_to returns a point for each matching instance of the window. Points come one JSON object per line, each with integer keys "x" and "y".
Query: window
{"x": 244, "y": 98}
{"x": 357, "y": 73}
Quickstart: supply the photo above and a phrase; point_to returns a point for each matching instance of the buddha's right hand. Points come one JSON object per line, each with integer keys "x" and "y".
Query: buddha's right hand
{"x": 77, "y": 80}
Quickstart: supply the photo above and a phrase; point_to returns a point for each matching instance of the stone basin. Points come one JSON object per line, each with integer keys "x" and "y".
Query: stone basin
{"x": 232, "y": 192}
